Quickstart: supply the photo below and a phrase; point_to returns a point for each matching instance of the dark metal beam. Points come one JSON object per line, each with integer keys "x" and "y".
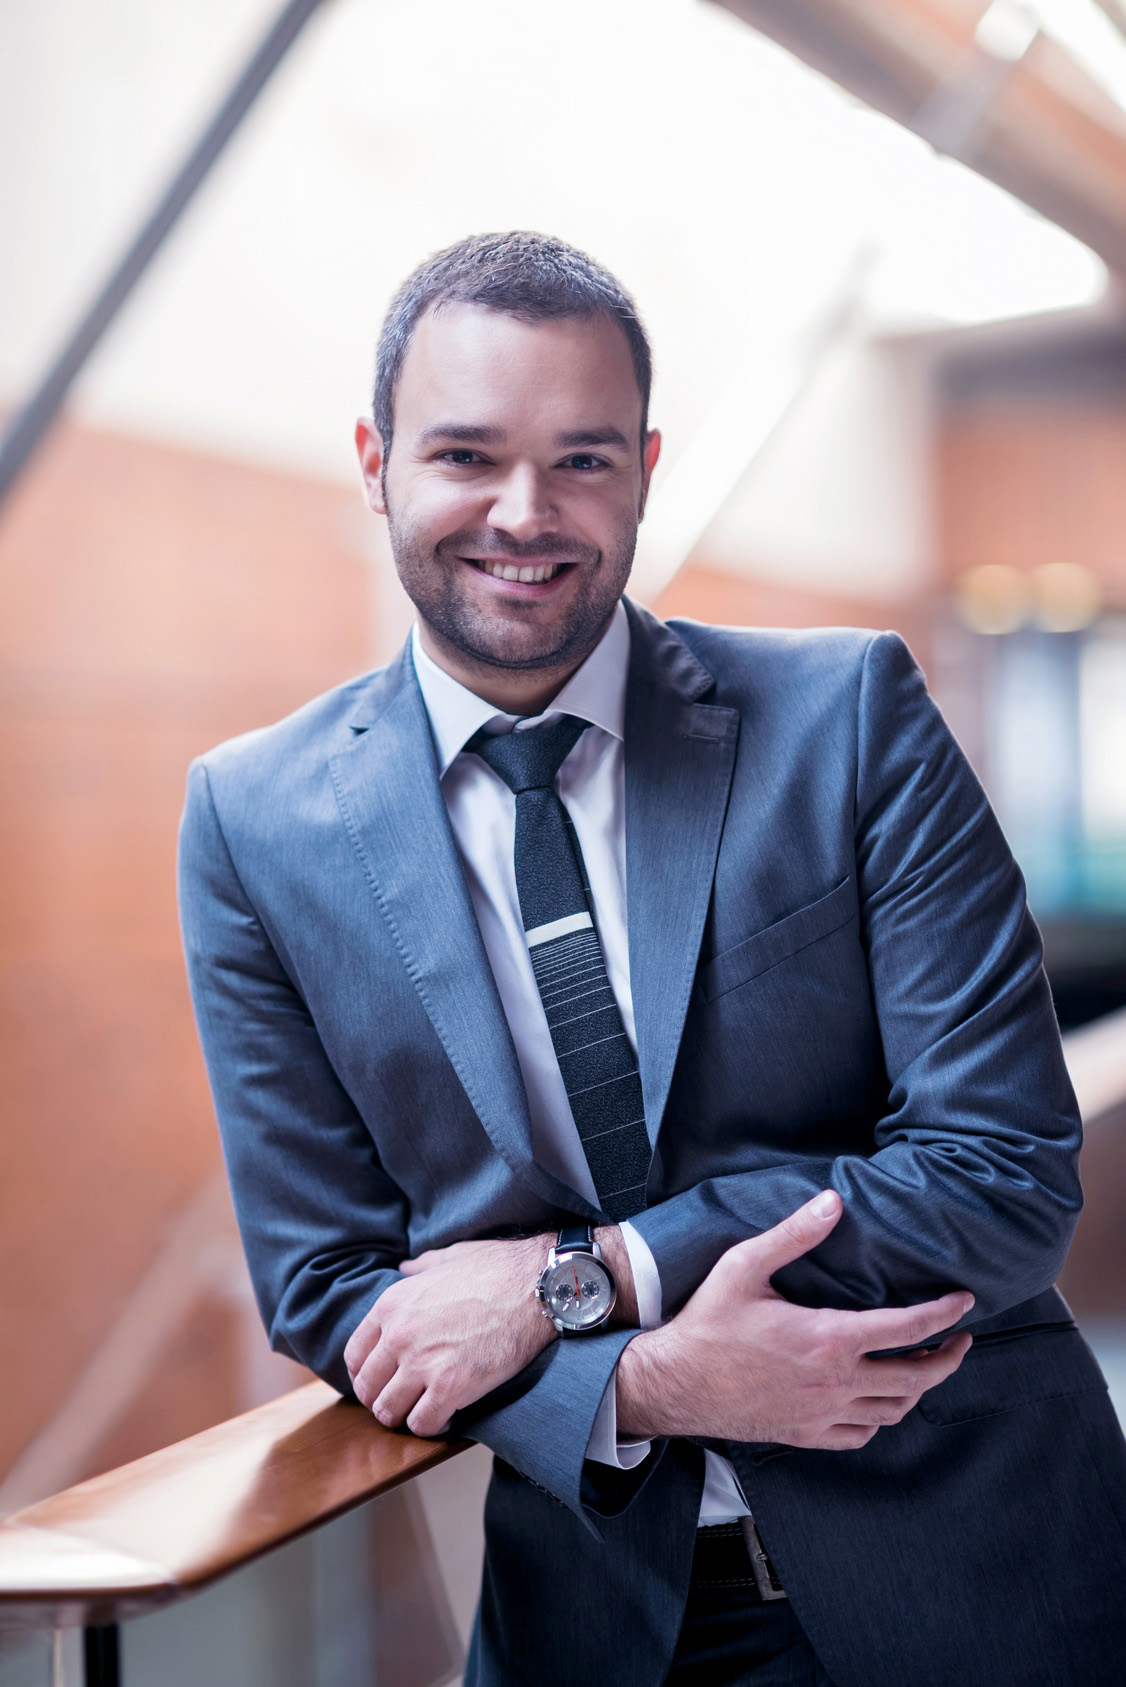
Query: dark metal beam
{"x": 32, "y": 420}
{"x": 101, "y": 1653}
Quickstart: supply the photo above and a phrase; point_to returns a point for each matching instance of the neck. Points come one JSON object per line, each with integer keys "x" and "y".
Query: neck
{"x": 516, "y": 691}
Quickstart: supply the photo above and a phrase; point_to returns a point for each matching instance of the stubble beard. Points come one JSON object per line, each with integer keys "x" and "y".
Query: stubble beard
{"x": 432, "y": 578}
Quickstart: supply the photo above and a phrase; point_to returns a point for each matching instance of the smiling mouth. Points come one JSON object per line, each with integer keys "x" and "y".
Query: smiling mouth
{"x": 527, "y": 573}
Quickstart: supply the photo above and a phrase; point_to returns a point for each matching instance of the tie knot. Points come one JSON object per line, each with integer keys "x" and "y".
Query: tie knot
{"x": 529, "y": 761}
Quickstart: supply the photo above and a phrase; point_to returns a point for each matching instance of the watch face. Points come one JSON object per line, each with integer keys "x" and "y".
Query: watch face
{"x": 576, "y": 1290}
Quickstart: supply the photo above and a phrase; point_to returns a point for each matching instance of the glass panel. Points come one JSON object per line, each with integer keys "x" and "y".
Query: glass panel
{"x": 361, "y": 1600}
{"x": 25, "y": 1659}
{"x": 1033, "y": 735}
{"x": 1102, "y": 695}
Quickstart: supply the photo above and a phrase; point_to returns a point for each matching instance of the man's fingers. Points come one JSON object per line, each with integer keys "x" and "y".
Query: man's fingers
{"x": 763, "y": 1255}
{"x": 847, "y": 1437}
{"x": 397, "y": 1400}
{"x": 374, "y": 1375}
{"x": 362, "y": 1341}
{"x": 914, "y": 1371}
{"x": 429, "y": 1417}
{"x": 907, "y": 1326}
{"x": 895, "y": 1394}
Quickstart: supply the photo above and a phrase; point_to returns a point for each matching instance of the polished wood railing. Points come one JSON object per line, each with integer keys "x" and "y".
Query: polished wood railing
{"x": 161, "y": 1529}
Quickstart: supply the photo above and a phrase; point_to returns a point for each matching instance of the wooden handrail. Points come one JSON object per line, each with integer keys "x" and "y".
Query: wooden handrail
{"x": 158, "y": 1530}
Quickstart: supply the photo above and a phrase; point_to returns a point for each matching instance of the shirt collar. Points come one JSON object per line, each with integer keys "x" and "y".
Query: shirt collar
{"x": 596, "y": 692}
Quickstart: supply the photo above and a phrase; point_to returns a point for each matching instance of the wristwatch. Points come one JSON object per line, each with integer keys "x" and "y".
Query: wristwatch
{"x": 576, "y": 1289}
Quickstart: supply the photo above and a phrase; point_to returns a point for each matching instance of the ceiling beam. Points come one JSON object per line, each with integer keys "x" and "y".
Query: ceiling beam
{"x": 29, "y": 426}
{"x": 1034, "y": 123}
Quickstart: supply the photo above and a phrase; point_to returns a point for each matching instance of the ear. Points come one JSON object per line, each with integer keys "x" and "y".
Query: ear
{"x": 369, "y": 448}
{"x": 649, "y": 455}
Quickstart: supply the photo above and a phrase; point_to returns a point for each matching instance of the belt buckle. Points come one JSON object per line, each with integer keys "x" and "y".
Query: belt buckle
{"x": 766, "y": 1576}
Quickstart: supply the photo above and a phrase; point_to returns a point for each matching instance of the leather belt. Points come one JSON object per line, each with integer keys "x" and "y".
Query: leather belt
{"x": 730, "y": 1557}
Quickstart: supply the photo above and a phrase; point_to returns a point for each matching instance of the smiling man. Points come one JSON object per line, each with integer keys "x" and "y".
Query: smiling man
{"x": 515, "y": 492}
{"x": 631, "y": 1046}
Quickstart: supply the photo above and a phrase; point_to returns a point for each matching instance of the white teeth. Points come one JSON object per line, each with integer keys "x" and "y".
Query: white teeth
{"x": 532, "y": 574}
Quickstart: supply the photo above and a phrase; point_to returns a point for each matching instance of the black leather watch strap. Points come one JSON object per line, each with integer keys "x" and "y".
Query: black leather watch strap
{"x": 576, "y": 1236}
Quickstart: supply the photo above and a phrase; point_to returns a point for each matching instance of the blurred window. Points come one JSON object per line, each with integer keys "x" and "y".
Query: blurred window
{"x": 1055, "y": 760}
{"x": 1102, "y": 729}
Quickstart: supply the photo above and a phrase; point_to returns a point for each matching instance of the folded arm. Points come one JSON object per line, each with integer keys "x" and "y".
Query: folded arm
{"x": 323, "y": 1224}
{"x": 973, "y": 1182}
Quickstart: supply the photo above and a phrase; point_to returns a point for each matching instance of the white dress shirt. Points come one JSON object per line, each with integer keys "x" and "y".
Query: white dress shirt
{"x": 482, "y": 810}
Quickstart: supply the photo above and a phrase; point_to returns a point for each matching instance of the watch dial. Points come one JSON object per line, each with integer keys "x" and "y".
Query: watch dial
{"x": 577, "y": 1291}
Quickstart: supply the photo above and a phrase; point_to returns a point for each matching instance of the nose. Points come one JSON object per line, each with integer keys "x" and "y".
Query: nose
{"x": 522, "y": 506}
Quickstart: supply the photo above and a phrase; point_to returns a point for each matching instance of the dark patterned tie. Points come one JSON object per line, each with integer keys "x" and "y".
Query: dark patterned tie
{"x": 598, "y": 1065}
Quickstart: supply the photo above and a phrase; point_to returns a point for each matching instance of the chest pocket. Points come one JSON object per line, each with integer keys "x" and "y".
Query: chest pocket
{"x": 777, "y": 942}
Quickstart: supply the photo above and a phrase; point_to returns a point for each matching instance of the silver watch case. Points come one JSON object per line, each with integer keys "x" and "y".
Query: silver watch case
{"x": 576, "y": 1289}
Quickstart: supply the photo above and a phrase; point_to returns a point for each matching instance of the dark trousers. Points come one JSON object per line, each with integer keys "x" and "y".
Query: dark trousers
{"x": 730, "y": 1636}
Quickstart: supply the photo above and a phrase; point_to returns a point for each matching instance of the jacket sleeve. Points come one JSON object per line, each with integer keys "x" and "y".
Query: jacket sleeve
{"x": 972, "y": 1182}
{"x": 322, "y": 1224}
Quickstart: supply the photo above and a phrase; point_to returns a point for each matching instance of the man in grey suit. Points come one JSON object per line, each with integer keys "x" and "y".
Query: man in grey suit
{"x": 631, "y": 1045}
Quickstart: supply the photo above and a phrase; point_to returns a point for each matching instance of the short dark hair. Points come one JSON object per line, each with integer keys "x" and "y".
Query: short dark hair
{"x": 534, "y": 277}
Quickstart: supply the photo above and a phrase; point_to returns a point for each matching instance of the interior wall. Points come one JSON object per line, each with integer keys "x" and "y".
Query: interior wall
{"x": 156, "y": 602}
{"x": 1032, "y": 483}
{"x": 707, "y": 593}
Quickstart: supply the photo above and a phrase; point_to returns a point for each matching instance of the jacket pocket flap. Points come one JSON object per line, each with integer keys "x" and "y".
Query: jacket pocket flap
{"x": 1008, "y": 1370}
{"x": 777, "y": 942}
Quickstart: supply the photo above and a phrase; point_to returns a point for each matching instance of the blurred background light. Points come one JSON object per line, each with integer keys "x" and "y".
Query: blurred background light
{"x": 994, "y": 598}
{"x": 1068, "y": 596}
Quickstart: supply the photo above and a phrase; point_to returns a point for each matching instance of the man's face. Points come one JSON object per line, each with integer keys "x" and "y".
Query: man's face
{"x": 515, "y": 482}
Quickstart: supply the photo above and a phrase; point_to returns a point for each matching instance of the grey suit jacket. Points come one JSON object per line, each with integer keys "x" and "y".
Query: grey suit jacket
{"x": 836, "y": 982}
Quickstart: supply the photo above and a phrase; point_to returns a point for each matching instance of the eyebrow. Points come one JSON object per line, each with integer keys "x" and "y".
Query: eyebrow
{"x": 461, "y": 434}
{"x": 579, "y": 439}
{"x": 584, "y": 437}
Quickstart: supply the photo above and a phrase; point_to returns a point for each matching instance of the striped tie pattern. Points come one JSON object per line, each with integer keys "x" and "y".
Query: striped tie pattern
{"x": 595, "y": 1058}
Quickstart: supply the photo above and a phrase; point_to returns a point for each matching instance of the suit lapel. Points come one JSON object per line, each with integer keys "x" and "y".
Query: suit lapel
{"x": 387, "y": 787}
{"x": 680, "y": 754}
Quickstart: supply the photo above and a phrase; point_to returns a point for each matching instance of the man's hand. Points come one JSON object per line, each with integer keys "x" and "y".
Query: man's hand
{"x": 463, "y": 1322}
{"x": 742, "y": 1364}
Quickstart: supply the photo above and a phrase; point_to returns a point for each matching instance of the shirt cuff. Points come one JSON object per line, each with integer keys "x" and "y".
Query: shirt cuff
{"x": 646, "y": 1280}
{"x": 604, "y": 1446}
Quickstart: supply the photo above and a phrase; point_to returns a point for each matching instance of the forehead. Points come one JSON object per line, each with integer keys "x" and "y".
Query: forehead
{"x": 468, "y": 364}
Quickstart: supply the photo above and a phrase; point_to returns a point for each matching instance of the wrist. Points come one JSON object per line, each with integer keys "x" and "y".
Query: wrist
{"x": 537, "y": 1249}
{"x": 616, "y": 1256}
{"x": 648, "y": 1383}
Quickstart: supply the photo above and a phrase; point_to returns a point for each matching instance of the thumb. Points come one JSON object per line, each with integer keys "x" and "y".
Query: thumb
{"x": 763, "y": 1255}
